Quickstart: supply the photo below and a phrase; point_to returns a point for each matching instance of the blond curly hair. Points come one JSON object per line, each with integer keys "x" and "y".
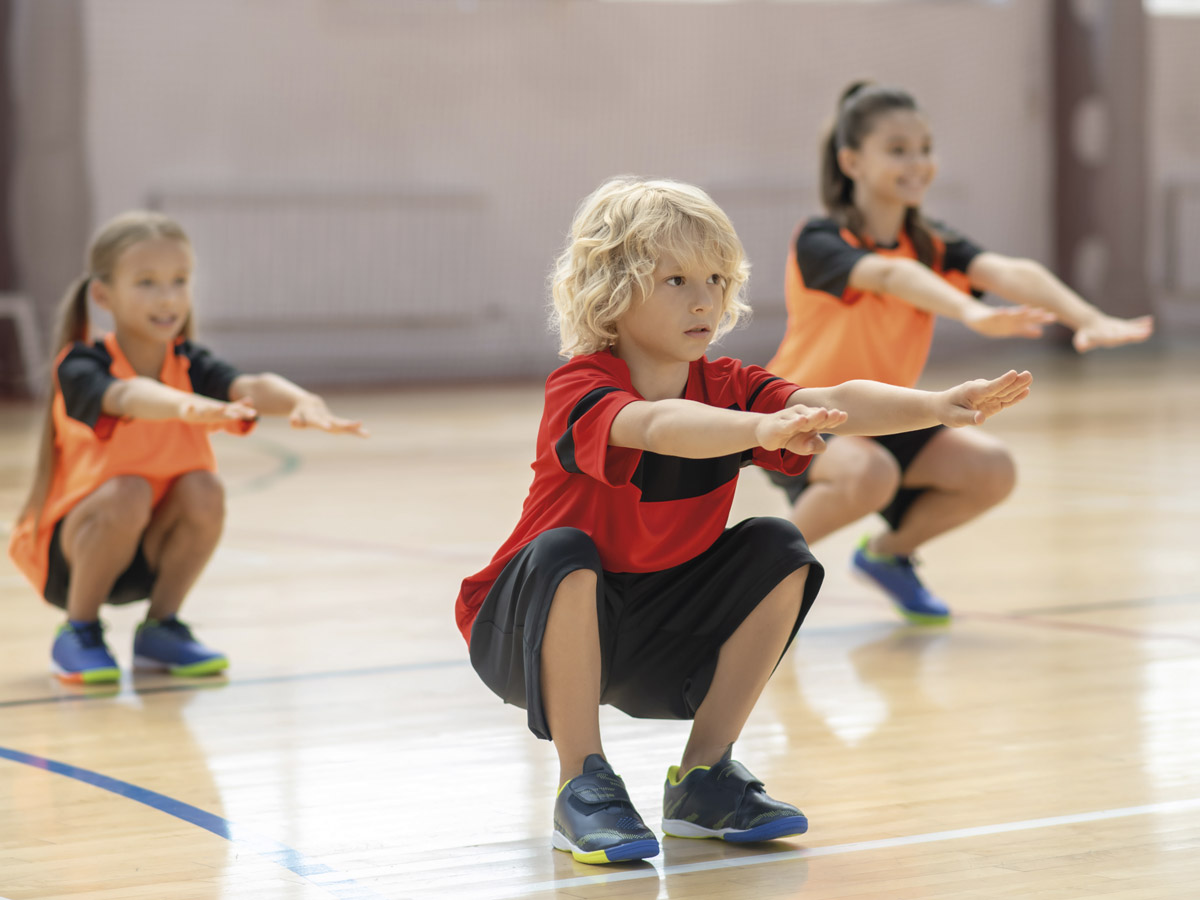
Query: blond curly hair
{"x": 619, "y": 232}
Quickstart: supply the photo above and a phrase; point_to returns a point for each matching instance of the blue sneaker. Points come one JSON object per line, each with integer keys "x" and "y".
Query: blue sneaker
{"x": 895, "y": 574}
{"x": 726, "y": 802}
{"x": 594, "y": 819}
{"x": 80, "y": 656}
{"x": 169, "y": 645}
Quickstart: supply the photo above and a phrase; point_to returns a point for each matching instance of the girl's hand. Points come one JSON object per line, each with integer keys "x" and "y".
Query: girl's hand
{"x": 797, "y": 429}
{"x": 1109, "y": 331}
{"x": 1007, "y": 321}
{"x": 311, "y": 412}
{"x": 974, "y": 402}
{"x": 200, "y": 410}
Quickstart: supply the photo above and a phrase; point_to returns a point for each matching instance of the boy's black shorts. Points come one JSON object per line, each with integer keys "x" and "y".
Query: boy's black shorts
{"x": 660, "y": 632}
{"x": 904, "y": 447}
{"x": 135, "y": 583}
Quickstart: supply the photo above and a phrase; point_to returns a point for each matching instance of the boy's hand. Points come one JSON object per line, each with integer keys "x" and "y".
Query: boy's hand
{"x": 311, "y": 412}
{"x": 797, "y": 429}
{"x": 1109, "y": 331}
{"x": 974, "y": 402}
{"x": 200, "y": 410}
{"x": 1007, "y": 321}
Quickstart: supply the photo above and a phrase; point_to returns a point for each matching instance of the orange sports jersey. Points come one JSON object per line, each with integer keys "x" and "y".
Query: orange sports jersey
{"x": 91, "y": 447}
{"x": 836, "y": 333}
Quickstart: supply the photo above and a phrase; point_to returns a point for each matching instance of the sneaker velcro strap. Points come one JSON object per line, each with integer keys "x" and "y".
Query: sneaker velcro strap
{"x": 599, "y": 788}
{"x": 733, "y": 769}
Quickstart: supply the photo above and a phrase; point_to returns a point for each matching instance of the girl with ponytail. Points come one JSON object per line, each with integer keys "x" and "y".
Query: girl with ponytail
{"x": 864, "y": 286}
{"x": 125, "y": 503}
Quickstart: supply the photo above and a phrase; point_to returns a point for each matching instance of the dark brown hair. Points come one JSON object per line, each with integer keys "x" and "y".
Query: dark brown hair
{"x": 859, "y": 107}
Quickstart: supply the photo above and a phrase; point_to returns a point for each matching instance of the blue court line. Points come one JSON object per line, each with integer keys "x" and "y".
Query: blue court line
{"x": 336, "y": 883}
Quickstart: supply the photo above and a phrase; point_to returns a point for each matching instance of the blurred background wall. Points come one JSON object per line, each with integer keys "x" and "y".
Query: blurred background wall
{"x": 376, "y": 188}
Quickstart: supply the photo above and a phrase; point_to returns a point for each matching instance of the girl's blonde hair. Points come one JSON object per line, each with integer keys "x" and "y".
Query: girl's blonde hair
{"x": 618, "y": 234}
{"x": 109, "y": 242}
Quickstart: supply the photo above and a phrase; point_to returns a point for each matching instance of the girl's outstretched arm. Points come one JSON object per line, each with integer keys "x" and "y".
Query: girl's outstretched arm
{"x": 919, "y": 285}
{"x": 1029, "y": 282}
{"x": 274, "y": 395}
{"x": 147, "y": 398}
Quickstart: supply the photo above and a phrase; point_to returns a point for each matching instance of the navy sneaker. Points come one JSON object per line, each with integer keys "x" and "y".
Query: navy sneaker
{"x": 897, "y": 577}
{"x": 169, "y": 645}
{"x": 594, "y": 819}
{"x": 726, "y": 802}
{"x": 80, "y": 656}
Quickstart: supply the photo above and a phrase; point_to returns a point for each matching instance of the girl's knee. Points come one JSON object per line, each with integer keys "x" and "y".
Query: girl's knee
{"x": 200, "y": 496}
{"x": 875, "y": 481}
{"x": 123, "y": 501}
{"x": 994, "y": 475}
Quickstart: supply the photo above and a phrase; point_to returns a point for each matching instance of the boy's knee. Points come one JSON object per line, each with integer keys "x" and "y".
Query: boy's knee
{"x": 558, "y": 544}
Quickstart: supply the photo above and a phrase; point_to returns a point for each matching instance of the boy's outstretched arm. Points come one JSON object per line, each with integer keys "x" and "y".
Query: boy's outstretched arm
{"x": 274, "y": 395}
{"x": 875, "y": 408}
{"x": 693, "y": 430}
{"x": 1029, "y": 282}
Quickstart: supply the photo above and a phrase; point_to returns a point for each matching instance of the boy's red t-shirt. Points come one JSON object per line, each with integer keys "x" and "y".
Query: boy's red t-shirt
{"x": 646, "y": 512}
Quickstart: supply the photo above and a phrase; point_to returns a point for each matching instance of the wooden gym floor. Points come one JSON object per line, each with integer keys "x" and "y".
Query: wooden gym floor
{"x": 1045, "y": 745}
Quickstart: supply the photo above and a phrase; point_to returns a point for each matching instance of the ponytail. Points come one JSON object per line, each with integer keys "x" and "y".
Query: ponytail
{"x": 71, "y": 326}
{"x": 857, "y": 108}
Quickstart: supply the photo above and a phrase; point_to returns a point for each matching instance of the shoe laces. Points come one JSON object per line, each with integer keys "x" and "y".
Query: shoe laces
{"x": 90, "y": 636}
{"x": 176, "y": 627}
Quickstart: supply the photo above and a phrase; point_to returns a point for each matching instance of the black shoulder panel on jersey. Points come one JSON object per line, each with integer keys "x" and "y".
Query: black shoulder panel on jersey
{"x": 565, "y": 445}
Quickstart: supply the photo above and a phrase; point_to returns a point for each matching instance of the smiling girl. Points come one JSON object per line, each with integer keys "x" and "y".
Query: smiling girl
{"x": 864, "y": 286}
{"x": 125, "y": 503}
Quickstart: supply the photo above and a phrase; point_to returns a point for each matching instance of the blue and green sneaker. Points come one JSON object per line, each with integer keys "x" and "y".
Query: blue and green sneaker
{"x": 898, "y": 579}
{"x": 80, "y": 656}
{"x": 169, "y": 645}
{"x": 726, "y": 802}
{"x": 594, "y": 819}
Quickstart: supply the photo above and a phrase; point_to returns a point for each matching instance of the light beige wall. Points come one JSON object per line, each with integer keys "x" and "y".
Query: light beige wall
{"x": 1174, "y": 127}
{"x": 528, "y": 104}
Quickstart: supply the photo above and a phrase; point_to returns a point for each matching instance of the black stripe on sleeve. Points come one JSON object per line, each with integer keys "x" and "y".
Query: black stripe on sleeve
{"x": 83, "y": 377}
{"x": 564, "y": 447}
{"x": 959, "y": 251}
{"x": 824, "y": 257}
{"x": 758, "y": 390}
{"x": 210, "y": 376}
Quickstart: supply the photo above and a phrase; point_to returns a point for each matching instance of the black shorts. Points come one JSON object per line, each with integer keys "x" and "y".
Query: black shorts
{"x": 135, "y": 583}
{"x": 660, "y": 632}
{"x": 903, "y": 446}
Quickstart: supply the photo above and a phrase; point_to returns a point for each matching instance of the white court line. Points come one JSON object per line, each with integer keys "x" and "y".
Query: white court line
{"x": 838, "y": 849}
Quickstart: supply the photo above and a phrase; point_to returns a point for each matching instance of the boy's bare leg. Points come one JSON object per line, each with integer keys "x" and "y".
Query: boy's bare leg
{"x": 571, "y": 673}
{"x": 99, "y": 540}
{"x": 853, "y": 478}
{"x": 181, "y": 539}
{"x": 745, "y": 664}
{"x": 964, "y": 473}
